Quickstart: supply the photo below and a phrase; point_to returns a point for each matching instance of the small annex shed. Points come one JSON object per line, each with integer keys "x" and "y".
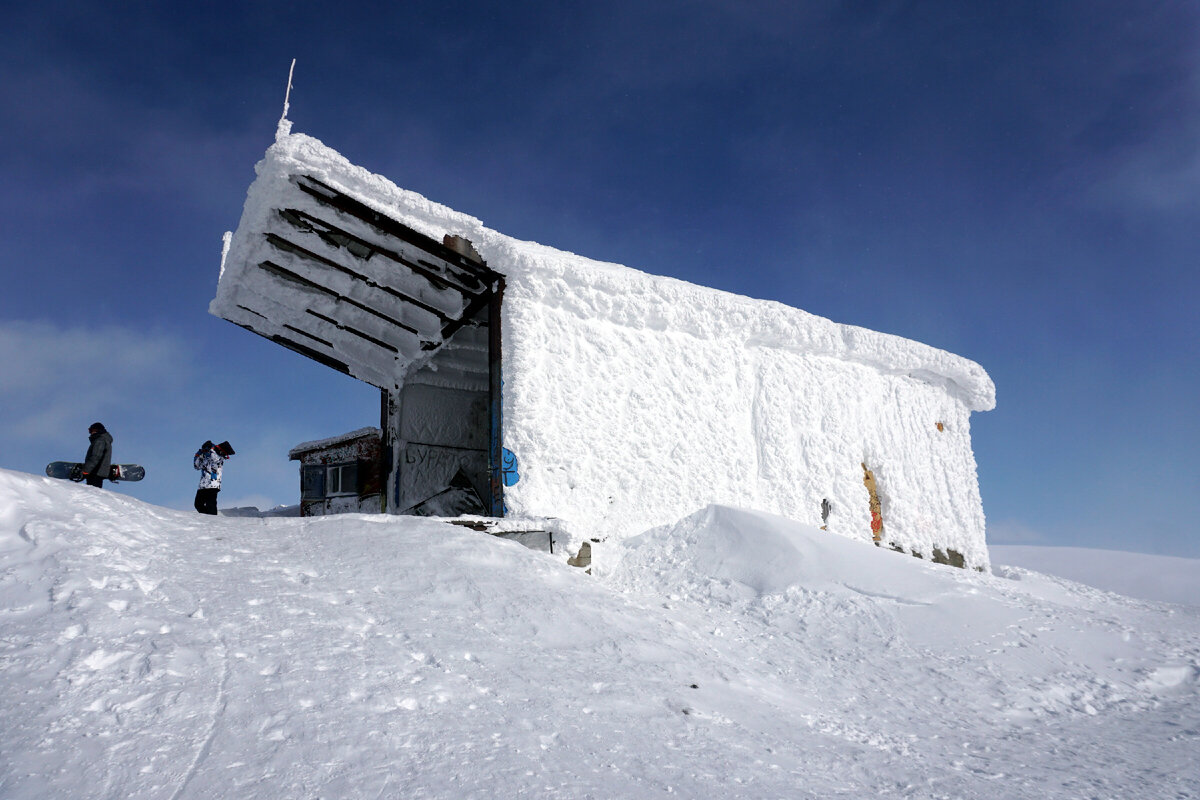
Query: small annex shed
{"x": 342, "y": 474}
{"x": 607, "y": 398}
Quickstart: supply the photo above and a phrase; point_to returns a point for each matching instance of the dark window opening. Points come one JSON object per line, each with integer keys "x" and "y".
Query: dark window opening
{"x": 341, "y": 480}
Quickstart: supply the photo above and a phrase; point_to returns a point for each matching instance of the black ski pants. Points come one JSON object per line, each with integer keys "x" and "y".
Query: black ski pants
{"x": 206, "y": 501}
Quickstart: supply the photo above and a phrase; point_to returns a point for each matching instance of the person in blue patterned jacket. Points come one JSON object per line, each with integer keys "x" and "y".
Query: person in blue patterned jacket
{"x": 210, "y": 460}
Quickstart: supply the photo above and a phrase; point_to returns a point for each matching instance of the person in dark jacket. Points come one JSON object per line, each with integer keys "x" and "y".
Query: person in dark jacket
{"x": 210, "y": 460}
{"x": 98, "y": 461}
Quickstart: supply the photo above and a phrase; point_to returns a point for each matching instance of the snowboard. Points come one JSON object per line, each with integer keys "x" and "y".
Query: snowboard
{"x": 73, "y": 470}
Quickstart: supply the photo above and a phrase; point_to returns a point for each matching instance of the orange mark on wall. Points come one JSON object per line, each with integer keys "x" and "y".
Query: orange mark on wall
{"x": 876, "y": 506}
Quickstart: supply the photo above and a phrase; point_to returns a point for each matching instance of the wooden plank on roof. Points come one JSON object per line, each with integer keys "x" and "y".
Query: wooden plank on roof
{"x": 281, "y": 243}
{"x": 353, "y": 331}
{"x": 271, "y": 266}
{"x": 439, "y": 279}
{"x": 476, "y": 274}
{"x": 304, "y": 350}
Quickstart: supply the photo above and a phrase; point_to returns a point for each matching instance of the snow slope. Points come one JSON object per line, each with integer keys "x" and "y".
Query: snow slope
{"x": 150, "y": 653}
{"x": 1168, "y": 579}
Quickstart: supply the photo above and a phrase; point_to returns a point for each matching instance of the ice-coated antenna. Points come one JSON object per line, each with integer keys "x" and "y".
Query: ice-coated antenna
{"x": 285, "y": 125}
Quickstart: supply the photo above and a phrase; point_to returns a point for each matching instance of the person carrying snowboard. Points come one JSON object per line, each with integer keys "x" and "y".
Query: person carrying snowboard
{"x": 210, "y": 459}
{"x": 98, "y": 461}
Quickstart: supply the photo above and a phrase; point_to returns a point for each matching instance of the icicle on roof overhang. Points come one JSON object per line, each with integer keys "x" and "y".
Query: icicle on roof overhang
{"x": 328, "y": 276}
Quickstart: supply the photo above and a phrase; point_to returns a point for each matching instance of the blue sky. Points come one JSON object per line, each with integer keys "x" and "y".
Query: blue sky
{"x": 1018, "y": 183}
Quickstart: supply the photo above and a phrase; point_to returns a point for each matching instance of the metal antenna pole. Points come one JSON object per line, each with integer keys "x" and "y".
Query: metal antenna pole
{"x": 285, "y": 125}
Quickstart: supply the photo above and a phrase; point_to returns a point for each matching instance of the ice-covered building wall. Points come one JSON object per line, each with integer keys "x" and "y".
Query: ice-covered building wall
{"x": 631, "y": 400}
{"x": 653, "y": 397}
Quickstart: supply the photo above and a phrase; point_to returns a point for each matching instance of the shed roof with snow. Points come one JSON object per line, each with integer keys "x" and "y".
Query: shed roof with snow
{"x": 601, "y": 395}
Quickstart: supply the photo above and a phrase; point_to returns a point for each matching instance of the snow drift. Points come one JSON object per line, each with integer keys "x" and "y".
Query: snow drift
{"x": 150, "y": 653}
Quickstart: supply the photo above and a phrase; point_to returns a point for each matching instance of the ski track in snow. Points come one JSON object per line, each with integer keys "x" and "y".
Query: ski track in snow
{"x": 218, "y": 709}
{"x": 154, "y": 654}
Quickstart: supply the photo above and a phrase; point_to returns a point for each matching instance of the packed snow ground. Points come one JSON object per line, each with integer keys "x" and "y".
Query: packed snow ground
{"x": 152, "y": 653}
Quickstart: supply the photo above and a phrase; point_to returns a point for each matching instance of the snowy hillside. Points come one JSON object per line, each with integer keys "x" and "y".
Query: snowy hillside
{"x": 1168, "y": 579}
{"x": 150, "y": 653}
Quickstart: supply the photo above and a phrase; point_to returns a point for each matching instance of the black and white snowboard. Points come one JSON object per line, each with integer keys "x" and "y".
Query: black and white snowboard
{"x": 73, "y": 470}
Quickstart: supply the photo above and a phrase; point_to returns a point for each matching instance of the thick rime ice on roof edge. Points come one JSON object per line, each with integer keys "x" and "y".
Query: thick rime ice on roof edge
{"x": 667, "y": 303}
{"x": 631, "y": 400}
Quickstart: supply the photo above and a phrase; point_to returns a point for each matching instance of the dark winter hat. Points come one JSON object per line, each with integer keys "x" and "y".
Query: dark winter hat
{"x": 96, "y": 427}
{"x": 226, "y": 448}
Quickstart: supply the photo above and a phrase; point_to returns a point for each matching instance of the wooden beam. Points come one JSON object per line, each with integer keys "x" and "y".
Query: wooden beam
{"x": 281, "y": 243}
{"x": 438, "y": 279}
{"x": 326, "y": 194}
{"x": 271, "y": 266}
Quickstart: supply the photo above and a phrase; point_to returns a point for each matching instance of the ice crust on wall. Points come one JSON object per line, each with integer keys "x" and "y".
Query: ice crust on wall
{"x": 632, "y": 400}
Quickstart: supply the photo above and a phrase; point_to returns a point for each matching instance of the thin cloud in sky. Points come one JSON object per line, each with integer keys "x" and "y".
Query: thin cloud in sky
{"x": 1126, "y": 109}
{"x": 129, "y": 142}
{"x": 1011, "y": 531}
{"x": 53, "y": 374}
{"x": 1160, "y": 177}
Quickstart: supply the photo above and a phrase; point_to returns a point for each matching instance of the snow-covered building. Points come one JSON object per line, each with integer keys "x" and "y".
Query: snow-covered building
{"x": 341, "y": 474}
{"x": 605, "y": 397}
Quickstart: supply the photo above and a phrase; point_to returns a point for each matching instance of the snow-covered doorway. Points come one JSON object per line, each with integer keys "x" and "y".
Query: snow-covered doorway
{"x": 444, "y": 426}
{"x": 319, "y": 269}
